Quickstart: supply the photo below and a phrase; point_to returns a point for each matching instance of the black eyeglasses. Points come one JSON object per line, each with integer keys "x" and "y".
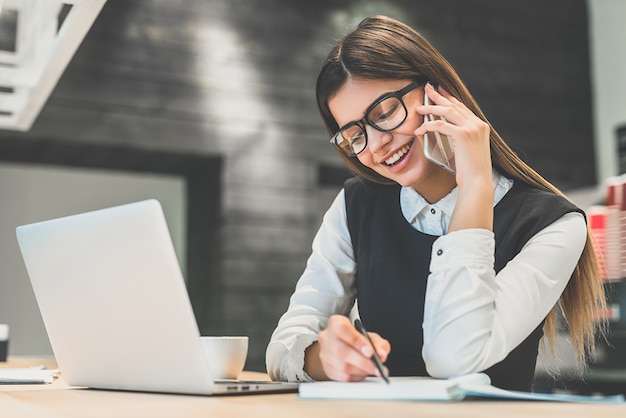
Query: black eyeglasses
{"x": 385, "y": 114}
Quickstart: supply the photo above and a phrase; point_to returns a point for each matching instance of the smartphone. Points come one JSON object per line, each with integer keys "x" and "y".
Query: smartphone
{"x": 438, "y": 147}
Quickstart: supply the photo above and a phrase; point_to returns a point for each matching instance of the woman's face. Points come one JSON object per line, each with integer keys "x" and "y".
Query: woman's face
{"x": 397, "y": 155}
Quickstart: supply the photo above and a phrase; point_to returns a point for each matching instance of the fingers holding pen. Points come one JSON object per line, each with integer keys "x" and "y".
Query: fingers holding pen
{"x": 379, "y": 344}
{"x": 382, "y": 348}
{"x": 345, "y": 353}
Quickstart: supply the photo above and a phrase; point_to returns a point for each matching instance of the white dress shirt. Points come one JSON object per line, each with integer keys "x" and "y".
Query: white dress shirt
{"x": 473, "y": 317}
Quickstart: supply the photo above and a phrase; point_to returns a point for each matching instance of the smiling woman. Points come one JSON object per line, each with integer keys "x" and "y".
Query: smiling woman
{"x": 391, "y": 150}
{"x": 453, "y": 273}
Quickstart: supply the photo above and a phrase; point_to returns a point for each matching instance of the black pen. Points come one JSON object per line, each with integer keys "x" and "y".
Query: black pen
{"x": 379, "y": 364}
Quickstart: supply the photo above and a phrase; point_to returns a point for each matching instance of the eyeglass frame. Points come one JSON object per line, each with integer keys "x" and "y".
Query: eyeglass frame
{"x": 398, "y": 94}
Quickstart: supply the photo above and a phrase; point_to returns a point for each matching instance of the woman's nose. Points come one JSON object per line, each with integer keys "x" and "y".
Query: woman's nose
{"x": 376, "y": 140}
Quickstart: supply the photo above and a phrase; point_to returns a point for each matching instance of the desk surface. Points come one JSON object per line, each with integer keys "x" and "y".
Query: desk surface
{"x": 58, "y": 400}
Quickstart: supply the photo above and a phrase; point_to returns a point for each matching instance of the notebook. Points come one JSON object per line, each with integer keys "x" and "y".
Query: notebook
{"x": 115, "y": 305}
{"x": 427, "y": 389}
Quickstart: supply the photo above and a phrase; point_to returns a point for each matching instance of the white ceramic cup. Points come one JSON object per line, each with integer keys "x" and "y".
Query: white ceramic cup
{"x": 227, "y": 355}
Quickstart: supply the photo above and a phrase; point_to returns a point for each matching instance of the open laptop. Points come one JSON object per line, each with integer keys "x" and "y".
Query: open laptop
{"x": 115, "y": 306}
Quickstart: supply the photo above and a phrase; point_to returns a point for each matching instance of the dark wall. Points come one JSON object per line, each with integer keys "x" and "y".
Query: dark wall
{"x": 232, "y": 81}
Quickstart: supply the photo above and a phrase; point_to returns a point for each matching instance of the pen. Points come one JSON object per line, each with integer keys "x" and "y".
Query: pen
{"x": 379, "y": 364}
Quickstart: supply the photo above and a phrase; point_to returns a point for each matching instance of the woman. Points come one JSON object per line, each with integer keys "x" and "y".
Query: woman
{"x": 452, "y": 273}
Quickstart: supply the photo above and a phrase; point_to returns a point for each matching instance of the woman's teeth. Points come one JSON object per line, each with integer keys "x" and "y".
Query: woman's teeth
{"x": 398, "y": 155}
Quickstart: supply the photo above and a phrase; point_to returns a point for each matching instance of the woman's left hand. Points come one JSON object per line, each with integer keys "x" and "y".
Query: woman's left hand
{"x": 470, "y": 137}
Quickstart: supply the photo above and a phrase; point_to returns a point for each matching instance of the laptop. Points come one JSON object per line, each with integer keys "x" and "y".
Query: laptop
{"x": 115, "y": 305}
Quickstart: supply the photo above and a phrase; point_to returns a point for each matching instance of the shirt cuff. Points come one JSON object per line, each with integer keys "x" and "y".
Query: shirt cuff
{"x": 292, "y": 369}
{"x": 467, "y": 247}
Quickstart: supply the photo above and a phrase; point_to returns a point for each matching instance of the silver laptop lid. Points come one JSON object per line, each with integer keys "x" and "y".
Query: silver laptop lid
{"x": 114, "y": 301}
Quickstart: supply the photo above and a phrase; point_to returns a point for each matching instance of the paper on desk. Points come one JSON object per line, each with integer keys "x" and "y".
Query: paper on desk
{"x": 494, "y": 392}
{"x": 399, "y": 389}
{"x": 429, "y": 389}
{"x": 27, "y": 376}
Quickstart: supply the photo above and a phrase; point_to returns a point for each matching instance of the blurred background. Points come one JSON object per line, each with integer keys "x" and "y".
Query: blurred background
{"x": 208, "y": 106}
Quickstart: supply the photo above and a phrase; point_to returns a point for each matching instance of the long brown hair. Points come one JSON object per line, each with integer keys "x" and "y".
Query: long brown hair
{"x": 383, "y": 48}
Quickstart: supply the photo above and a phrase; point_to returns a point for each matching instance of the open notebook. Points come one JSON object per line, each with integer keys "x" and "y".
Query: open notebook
{"x": 429, "y": 389}
{"x": 115, "y": 305}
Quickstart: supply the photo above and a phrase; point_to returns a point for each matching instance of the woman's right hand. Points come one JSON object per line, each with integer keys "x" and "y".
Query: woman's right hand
{"x": 471, "y": 138}
{"x": 342, "y": 353}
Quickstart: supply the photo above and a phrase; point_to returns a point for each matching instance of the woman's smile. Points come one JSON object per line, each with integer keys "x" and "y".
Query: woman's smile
{"x": 399, "y": 156}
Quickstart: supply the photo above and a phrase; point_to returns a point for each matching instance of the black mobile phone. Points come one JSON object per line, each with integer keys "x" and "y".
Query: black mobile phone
{"x": 438, "y": 147}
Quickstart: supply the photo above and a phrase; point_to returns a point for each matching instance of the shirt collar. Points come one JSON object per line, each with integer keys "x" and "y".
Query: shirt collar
{"x": 412, "y": 203}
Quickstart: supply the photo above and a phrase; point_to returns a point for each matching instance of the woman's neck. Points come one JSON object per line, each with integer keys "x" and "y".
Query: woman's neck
{"x": 438, "y": 184}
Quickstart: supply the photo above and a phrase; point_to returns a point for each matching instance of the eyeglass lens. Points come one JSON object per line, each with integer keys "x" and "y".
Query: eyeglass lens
{"x": 385, "y": 116}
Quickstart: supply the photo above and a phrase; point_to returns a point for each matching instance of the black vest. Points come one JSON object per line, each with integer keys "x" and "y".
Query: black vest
{"x": 393, "y": 262}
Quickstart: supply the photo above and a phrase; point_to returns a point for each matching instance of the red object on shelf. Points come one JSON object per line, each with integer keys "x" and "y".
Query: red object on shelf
{"x": 596, "y": 216}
